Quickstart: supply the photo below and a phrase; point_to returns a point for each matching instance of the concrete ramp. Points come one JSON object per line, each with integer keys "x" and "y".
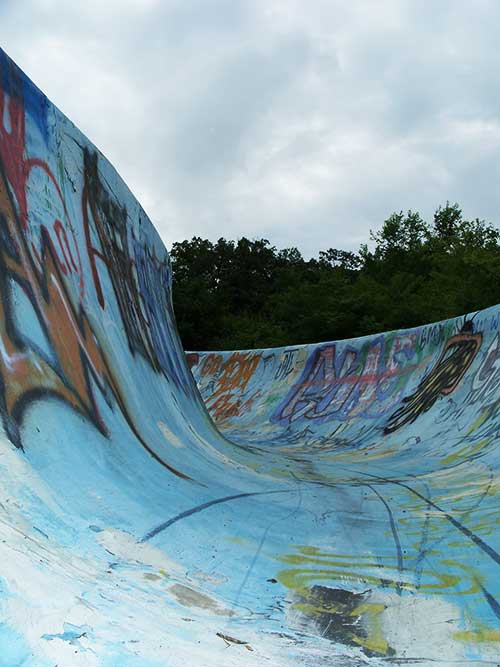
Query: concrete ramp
{"x": 329, "y": 504}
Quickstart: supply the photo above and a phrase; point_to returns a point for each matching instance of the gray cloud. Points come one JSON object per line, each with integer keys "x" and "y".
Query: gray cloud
{"x": 306, "y": 123}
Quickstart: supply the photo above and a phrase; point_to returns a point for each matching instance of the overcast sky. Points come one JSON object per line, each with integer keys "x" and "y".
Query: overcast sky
{"x": 304, "y": 122}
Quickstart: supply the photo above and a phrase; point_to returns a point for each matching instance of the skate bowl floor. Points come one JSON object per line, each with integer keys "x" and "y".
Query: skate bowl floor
{"x": 325, "y": 504}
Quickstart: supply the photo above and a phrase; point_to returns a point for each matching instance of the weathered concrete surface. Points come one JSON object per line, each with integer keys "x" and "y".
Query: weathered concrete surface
{"x": 346, "y": 513}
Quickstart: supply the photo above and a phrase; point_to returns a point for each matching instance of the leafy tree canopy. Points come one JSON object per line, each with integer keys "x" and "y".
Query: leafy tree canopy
{"x": 247, "y": 293}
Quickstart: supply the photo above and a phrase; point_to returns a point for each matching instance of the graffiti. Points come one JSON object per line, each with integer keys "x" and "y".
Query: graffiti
{"x": 330, "y": 542}
{"x": 455, "y": 359}
{"x": 76, "y": 360}
{"x": 193, "y": 359}
{"x": 286, "y": 365}
{"x": 19, "y": 171}
{"x": 140, "y": 280}
{"x": 432, "y": 334}
{"x": 154, "y": 277}
{"x": 230, "y": 380}
{"x": 342, "y": 616}
{"x": 487, "y": 378}
{"x": 343, "y": 385}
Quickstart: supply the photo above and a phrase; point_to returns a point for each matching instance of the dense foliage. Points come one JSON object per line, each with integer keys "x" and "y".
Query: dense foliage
{"x": 244, "y": 294}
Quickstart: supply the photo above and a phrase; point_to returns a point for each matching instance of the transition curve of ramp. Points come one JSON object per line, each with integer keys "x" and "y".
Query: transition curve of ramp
{"x": 330, "y": 504}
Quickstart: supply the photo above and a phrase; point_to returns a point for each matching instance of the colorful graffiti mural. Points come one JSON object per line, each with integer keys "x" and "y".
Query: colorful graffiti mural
{"x": 389, "y": 430}
{"x": 330, "y": 504}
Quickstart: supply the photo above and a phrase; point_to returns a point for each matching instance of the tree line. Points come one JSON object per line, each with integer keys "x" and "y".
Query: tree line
{"x": 245, "y": 294}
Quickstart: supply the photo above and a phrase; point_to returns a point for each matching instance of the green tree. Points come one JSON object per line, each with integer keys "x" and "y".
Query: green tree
{"x": 246, "y": 293}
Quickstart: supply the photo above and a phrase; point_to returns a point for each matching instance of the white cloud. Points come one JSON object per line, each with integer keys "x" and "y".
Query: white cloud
{"x": 306, "y": 123}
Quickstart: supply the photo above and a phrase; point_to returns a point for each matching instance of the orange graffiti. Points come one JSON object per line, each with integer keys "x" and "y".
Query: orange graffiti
{"x": 231, "y": 379}
{"x": 26, "y": 374}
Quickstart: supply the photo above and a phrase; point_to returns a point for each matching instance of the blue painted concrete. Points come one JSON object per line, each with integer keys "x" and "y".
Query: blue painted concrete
{"x": 328, "y": 504}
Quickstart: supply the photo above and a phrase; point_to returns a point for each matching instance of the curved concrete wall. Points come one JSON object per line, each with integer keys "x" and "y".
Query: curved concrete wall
{"x": 395, "y": 438}
{"x": 345, "y": 512}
